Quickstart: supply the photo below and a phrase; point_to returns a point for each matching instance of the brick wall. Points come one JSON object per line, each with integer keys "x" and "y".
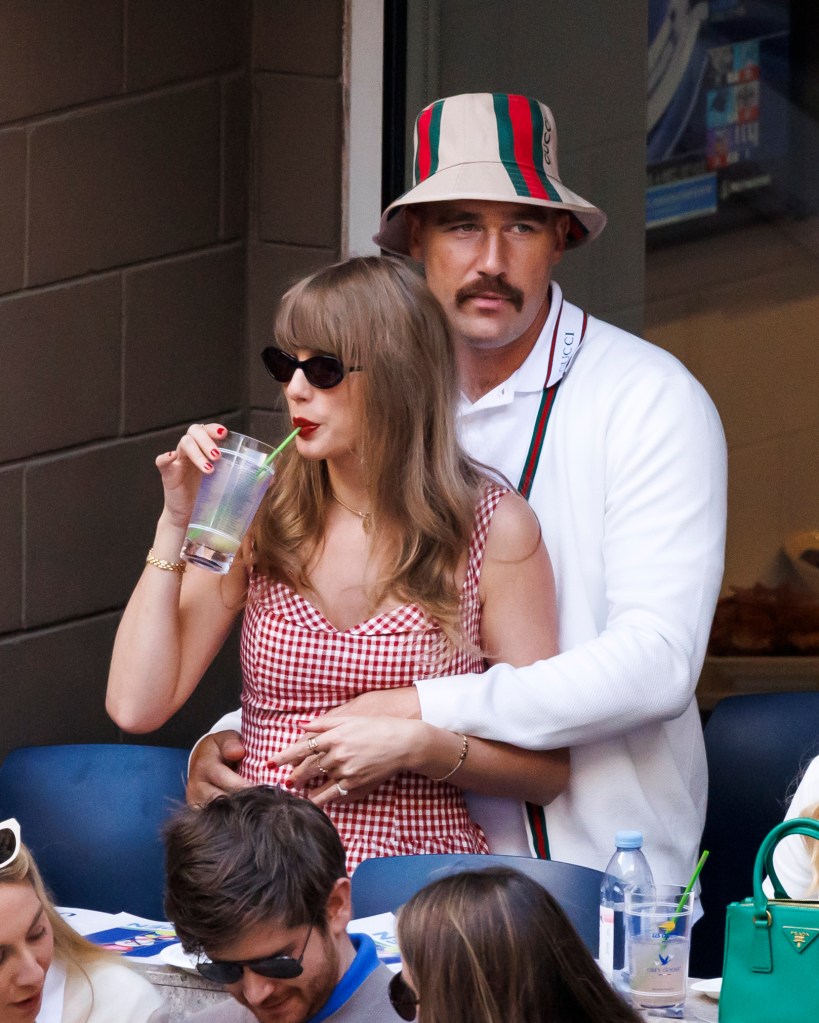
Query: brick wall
{"x": 295, "y": 196}
{"x": 165, "y": 167}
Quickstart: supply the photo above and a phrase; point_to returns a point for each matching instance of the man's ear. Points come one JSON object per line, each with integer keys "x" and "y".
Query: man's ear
{"x": 413, "y": 222}
{"x": 339, "y": 907}
{"x": 562, "y": 222}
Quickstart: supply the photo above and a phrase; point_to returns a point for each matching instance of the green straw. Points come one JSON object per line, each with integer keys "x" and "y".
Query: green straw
{"x": 281, "y": 446}
{"x": 275, "y": 451}
{"x": 668, "y": 926}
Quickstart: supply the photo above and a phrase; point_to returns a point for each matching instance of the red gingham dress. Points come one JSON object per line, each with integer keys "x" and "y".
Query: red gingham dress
{"x": 296, "y": 665}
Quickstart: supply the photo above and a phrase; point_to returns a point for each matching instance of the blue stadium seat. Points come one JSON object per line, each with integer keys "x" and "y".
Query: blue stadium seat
{"x": 92, "y": 816}
{"x": 383, "y": 884}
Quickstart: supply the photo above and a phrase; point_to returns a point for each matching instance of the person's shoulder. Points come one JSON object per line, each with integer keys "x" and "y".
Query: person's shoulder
{"x": 514, "y": 531}
{"x": 613, "y": 345}
{"x": 807, "y": 792}
{"x": 618, "y": 370}
{"x": 119, "y": 992}
{"x": 370, "y": 1003}
{"x": 812, "y": 773}
{"x": 112, "y": 972}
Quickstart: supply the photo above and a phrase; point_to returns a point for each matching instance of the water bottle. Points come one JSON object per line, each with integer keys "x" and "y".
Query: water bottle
{"x": 627, "y": 867}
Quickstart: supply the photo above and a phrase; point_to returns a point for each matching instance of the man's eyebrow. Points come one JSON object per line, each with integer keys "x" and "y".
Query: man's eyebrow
{"x": 454, "y": 214}
{"x": 527, "y": 212}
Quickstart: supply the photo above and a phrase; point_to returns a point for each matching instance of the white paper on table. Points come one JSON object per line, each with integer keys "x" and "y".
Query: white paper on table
{"x": 90, "y": 921}
{"x": 381, "y": 928}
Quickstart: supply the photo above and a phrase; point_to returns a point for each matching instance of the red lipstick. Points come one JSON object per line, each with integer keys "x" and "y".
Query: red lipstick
{"x": 306, "y": 425}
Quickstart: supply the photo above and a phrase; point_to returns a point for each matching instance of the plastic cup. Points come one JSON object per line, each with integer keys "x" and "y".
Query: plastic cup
{"x": 658, "y": 945}
{"x": 227, "y": 501}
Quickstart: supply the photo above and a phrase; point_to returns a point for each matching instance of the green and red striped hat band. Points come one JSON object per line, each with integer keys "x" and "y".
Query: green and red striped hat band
{"x": 495, "y": 146}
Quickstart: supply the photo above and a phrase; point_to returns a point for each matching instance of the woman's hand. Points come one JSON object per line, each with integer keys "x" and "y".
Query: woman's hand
{"x": 356, "y": 753}
{"x": 182, "y": 469}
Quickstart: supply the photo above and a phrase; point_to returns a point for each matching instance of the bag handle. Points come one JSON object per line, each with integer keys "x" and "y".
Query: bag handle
{"x": 764, "y": 859}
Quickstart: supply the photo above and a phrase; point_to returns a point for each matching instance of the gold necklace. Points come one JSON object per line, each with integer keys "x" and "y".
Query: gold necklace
{"x": 366, "y": 517}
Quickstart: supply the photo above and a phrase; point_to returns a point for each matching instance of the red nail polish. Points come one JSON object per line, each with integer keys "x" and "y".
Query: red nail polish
{"x": 214, "y": 453}
{"x": 290, "y": 783}
{"x": 208, "y": 466}
{"x": 221, "y": 430}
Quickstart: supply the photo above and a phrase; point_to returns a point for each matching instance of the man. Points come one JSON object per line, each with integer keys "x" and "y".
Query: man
{"x": 622, "y": 456}
{"x": 256, "y": 881}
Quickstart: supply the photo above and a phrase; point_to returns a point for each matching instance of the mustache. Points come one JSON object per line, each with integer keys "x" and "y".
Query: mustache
{"x": 495, "y": 285}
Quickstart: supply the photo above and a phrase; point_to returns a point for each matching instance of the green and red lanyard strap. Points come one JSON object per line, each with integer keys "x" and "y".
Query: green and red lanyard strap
{"x": 536, "y": 815}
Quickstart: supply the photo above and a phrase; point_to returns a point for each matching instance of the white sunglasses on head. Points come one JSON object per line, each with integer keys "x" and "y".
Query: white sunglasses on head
{"x": 9, "y": 841}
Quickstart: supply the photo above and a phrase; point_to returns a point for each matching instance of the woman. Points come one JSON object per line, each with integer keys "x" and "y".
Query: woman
{"x": 381, "y": 555}
{"x": 504, "y": 952}
{"x": 49, "y": 973}
{"x": 796, "y": 858}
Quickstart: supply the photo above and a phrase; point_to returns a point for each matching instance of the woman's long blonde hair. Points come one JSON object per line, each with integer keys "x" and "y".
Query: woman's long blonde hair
{"x": 378, "y": 314}
{"x": 70, "y": 948}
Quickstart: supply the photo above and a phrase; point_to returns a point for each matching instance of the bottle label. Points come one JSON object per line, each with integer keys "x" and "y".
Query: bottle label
{"x": 606, "y": 952}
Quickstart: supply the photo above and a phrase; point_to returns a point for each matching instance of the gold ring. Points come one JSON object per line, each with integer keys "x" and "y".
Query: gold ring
{"x": 341, "y": 790}
{"x": 312, "y": 744}
{"x": 319, "y": 765}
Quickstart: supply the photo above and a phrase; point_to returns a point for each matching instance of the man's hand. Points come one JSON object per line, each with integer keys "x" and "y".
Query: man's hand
{"x": 394, "y": 703}
{"x": 213, "y": 767}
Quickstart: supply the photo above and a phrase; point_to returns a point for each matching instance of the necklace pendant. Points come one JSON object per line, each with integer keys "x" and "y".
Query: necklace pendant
{"x": 365, "y": 517}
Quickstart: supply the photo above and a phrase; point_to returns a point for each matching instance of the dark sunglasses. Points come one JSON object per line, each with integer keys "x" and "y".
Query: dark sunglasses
{"x": 279, "y": 967}
{"x": 322, "y": 371}
{"x": 9, "y": 841}
{"x": 402, "y": 998}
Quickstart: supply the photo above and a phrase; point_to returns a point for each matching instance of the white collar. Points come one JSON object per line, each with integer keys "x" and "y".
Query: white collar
{"x": 531, "y": 373}
{"x": 51, "y": 1009}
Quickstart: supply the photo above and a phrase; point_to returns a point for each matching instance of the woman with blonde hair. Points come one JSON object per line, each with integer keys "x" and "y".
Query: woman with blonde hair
{"x": 796, "y": 857}
{"x": 503, "y": 952}
{"x": 48, "y": 972}
{"x": 380, "y": 555}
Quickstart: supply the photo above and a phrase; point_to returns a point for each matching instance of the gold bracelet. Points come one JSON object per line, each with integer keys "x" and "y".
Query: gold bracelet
{"x": 166, "y": 566}
{"x": 461, "y": 758}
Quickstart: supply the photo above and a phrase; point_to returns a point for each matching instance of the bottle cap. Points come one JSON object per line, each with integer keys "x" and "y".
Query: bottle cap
{"x": 628, "y": 839}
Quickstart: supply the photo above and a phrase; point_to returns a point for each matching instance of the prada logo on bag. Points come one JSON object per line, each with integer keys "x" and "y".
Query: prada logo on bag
{"x": 800, "y": 937}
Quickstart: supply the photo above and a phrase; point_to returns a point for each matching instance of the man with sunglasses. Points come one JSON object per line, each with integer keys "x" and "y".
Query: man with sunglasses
{"x": 621, "y": 454}
{"x": 257, "y": 887}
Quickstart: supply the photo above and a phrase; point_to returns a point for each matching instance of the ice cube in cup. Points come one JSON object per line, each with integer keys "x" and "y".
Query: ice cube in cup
{"x": 227, "y": 501}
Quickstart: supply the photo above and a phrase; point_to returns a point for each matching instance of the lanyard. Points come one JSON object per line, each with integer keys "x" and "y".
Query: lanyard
{"x": 574, "y": 329}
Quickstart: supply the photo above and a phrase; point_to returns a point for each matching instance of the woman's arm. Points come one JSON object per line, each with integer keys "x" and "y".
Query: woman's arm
{"x": 518, "y": 626}
{"x": 173, "y": 625}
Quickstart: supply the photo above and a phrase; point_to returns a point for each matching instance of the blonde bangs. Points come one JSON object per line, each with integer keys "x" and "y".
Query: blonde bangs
{"x": 317, "y": 314}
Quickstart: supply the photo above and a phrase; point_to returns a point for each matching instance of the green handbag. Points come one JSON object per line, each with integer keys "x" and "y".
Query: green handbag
{"x": 770, "y": 973}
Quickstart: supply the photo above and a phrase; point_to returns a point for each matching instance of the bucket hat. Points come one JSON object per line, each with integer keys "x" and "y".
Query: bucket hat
{"x": 488, "y": 145}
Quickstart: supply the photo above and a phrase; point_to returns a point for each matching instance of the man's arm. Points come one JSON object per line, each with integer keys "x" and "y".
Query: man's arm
{"x": 663, "y": 549}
